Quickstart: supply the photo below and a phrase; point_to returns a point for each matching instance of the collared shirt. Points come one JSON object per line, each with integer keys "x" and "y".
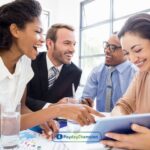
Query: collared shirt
{"x": 50, "y": 64}
{"x": 95, "y": 87}
{"x": 12, "y": 86}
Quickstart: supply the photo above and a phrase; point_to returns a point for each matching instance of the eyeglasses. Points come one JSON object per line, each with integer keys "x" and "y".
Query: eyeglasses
{"x": 112, "y": 47}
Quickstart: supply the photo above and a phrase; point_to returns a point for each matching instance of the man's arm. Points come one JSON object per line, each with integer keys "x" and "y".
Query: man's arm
{"x": 82, "y": 114}
{"x": 35, "y": 104}
{"x": 90, "y": 89}
{"x": 77, "y": 78}
{"x": 88, "y": 101}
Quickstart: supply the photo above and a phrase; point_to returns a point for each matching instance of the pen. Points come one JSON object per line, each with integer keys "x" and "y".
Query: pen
{"x": 74, "y": 96}
{"x": 73, "y": 90}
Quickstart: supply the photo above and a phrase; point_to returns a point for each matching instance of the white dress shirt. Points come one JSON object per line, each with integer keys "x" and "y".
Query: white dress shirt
{"x": 50, "y": 64}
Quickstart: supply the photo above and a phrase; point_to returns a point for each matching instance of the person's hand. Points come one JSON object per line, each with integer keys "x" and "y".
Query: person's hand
{"x": 66, "y": 100}
{"x": 139, "y": 140}
{"x": 80, "y": 113}
{"x": 50, "y": 129}
{"x": 88, "y": 101}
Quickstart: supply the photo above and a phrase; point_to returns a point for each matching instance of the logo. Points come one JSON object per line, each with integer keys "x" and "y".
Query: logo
{"x": 59, "y": 136}
{"x": 77, "y": 137}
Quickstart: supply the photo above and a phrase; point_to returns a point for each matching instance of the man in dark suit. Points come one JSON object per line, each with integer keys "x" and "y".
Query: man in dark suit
{"x": 54, "y": 78}
{"x": 60, "y": 43}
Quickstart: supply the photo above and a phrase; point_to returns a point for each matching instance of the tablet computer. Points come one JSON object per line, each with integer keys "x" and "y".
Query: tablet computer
{"x": 119, "y": 124}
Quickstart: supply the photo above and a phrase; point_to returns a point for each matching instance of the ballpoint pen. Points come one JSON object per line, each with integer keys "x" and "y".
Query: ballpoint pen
{"x": 73, "y": 91}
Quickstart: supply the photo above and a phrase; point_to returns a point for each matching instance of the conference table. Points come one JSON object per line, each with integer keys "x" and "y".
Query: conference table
{"x": 31, "y": 140}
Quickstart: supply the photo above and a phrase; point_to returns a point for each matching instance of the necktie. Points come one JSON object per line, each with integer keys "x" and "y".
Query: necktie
{"x": 109, "y": 90}
{"x": 52, "y": 76}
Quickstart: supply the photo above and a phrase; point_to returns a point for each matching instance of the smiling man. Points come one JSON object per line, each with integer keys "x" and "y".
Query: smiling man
{"x": 54, "y": 72}
{"x": 97, "y": 84}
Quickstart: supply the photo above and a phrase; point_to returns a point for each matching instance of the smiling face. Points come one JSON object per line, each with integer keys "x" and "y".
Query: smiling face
{"x": 61, "y": 51}
{"x": 29, "y": 39}
{"x": 138, "y": 49}
{"x": 116, "y": 57}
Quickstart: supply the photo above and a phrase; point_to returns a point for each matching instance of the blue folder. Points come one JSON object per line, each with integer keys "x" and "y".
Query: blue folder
{"x": 120, "y": 124}
{"x": 62, "y": 123}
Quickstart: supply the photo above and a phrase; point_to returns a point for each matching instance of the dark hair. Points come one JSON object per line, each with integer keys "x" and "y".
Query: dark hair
{"x": 52, "y": 32}
{"x": 138, "y": 24}
{"x": 19, "y": 12}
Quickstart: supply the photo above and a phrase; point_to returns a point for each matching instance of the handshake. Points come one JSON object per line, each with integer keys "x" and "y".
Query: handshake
{"x": 86, "y": 101}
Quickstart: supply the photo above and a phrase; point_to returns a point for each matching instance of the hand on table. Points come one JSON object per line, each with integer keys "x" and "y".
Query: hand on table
{"x": 50, "y": 129}
{"x": 66, "y": 100}
{"x": 88, "y": 101}
{"x": 80, "y": 113}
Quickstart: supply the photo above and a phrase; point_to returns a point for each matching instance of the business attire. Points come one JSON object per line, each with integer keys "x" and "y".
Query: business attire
{"x": 95, "y": 87}
{"x": 136, "y": 98}
{"x": 12, "y": 86}
{"x": 38, "y": 93}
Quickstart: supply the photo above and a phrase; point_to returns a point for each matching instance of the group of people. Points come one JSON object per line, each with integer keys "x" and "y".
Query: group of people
{"x": 20, "y": 38}
{"x": 47, "y": 98}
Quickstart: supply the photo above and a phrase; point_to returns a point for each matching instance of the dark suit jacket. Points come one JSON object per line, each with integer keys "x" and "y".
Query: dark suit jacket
{"x": 37, "y": 90}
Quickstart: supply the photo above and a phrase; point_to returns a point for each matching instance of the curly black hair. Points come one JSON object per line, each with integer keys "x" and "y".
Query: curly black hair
{"x": 19, "y": 12}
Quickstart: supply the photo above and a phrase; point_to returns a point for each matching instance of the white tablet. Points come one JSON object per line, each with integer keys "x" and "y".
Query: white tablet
{"x": 119, "y": 124}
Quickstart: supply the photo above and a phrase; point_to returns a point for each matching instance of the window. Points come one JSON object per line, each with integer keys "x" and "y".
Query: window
{"x": 90, "y": 15}
{"x": 45, "y": 18}
{"x": 127, "y": 7}
{"x": 99, "y": 18}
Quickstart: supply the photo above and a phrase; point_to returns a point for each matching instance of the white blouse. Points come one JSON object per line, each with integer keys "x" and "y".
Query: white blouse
{"x": 12, "y": 86}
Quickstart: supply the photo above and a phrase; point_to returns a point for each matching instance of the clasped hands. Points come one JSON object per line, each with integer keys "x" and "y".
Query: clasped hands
{"x": 72, "y": 110}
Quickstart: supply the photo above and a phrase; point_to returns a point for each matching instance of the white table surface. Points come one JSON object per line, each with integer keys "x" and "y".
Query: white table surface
{"x": 31, "y": 140}
{"x": 84, "y": 145}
